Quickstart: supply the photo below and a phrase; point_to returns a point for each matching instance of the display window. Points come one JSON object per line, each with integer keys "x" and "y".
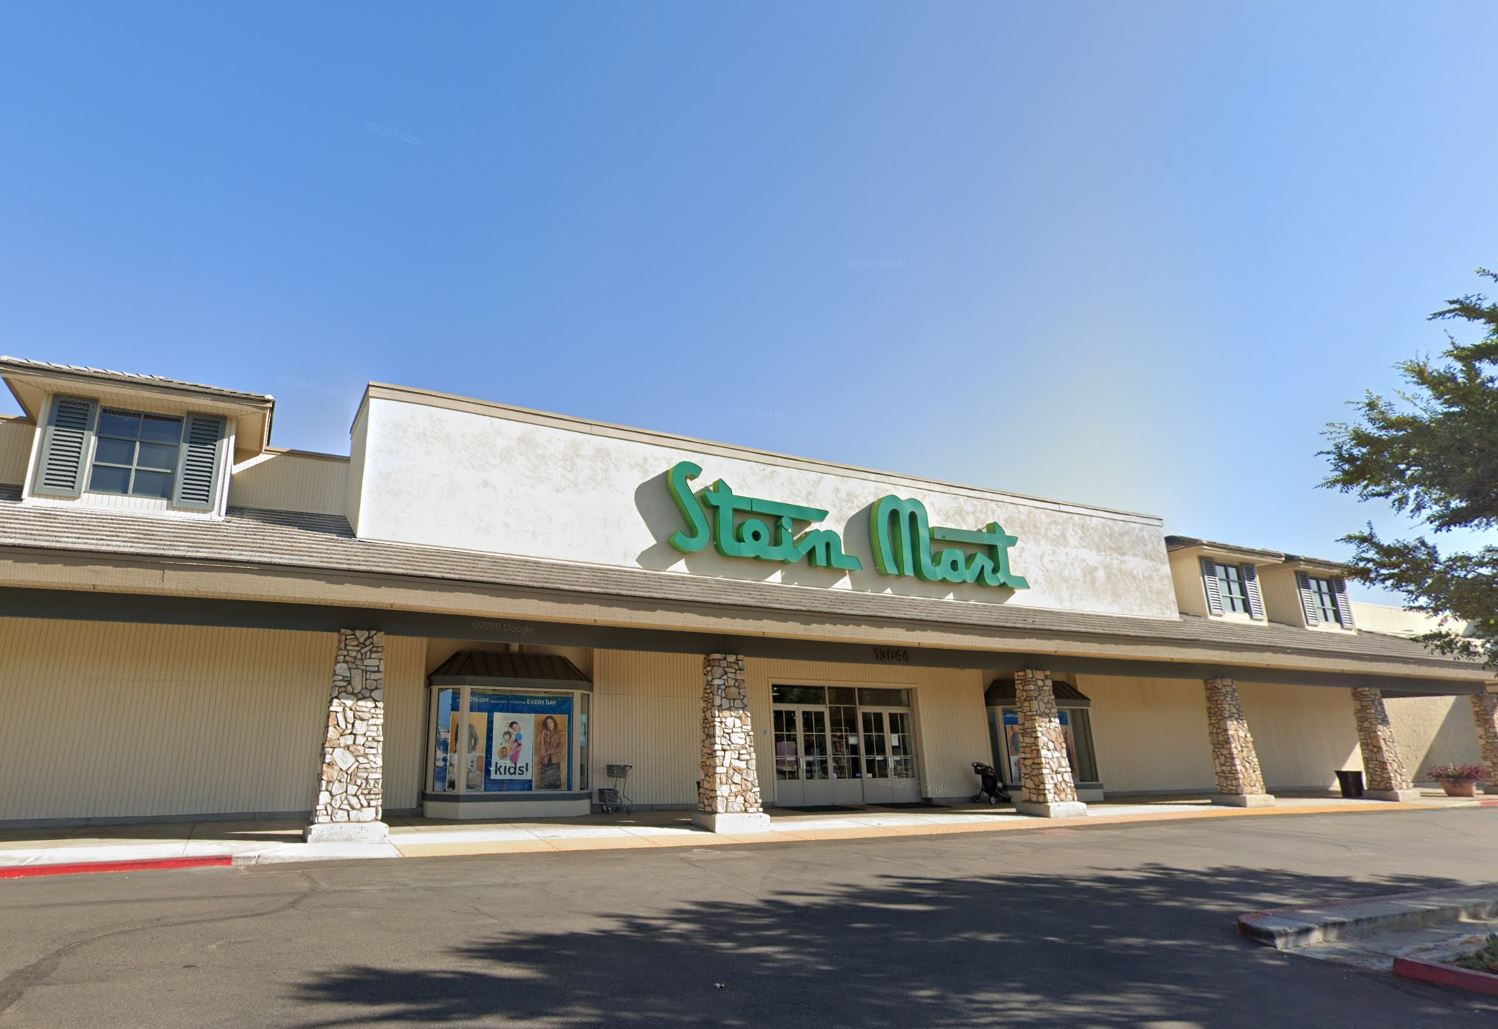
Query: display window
{"x": 497, "y": 740}
{"x": 1076, "y": 733}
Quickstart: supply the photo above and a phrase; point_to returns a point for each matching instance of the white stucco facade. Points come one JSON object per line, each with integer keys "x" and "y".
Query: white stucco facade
{"x": 489, "y": 478}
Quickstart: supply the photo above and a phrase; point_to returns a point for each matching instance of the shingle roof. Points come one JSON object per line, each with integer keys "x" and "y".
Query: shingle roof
{"x": 326, "y": 542}
{"x": 25, "y": 363}
{"x": 485, "y": 664}
{"x": 1278, "y": 556}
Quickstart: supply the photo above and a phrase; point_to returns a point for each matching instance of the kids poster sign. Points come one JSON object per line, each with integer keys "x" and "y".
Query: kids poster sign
{"x": 527, "y": 740}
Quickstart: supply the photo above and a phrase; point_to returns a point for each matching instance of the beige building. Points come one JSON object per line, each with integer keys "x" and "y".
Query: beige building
{"x": 488, "y": 612}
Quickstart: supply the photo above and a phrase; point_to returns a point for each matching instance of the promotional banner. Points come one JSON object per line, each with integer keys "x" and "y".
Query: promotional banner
{"x": 527, "y": 741}
{"x": 513, "y": 747}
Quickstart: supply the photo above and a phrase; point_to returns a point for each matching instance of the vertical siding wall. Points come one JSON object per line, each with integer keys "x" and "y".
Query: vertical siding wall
{"x": 647, "y": 713}
{"x": 405, "y": 721}
{"x": 1434, "y": 731}
{"x": 108, "y": 720}
{"x": 15, "y": 450}
{"x": 1151, "y": 734}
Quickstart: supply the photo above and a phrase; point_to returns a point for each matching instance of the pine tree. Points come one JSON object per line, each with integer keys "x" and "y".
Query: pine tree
{"x": 1432, "y": 453}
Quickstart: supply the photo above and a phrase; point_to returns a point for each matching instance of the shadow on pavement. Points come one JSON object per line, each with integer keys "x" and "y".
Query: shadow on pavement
{"x": 1153, "y": 945}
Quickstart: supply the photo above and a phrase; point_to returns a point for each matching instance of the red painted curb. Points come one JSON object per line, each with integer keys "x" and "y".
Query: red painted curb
{"x": 93, "y": 867}
{"x": 1447, "y": 975}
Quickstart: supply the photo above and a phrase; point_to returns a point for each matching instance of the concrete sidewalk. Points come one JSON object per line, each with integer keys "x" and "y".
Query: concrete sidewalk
{"x": 265, "y": 842}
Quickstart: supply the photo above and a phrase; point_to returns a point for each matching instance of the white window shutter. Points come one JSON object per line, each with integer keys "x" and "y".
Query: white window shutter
{"x": 1307, "y": 598}
{"x": 67, "y": 438}
{"x": 1251, "y": 589}
{"x": 198, "y": 463}
{"x": 1213, "y": 587}
{"x": 1344, "y": 605}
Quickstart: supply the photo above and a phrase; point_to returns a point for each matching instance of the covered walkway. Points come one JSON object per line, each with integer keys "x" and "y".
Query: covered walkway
{"x": 274, "y": 841}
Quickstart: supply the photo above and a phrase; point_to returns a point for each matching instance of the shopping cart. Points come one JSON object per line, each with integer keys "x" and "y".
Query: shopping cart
{"x": 613, "y": 798}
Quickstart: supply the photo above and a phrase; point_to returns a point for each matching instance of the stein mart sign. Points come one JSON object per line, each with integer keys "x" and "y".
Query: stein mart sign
{"x": 904, "y": 540}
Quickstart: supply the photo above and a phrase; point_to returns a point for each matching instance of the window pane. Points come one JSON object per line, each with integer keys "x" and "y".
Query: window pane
{"x": 814, "y": 744}
{"x": 115, "y": 451}
{"x": 161, "y": 430}
{"x": 119, "y": 423}
{"x": 109, "y": 480}
{"x": 884, "y": 698}
{"x": 875, "y": 758}
{"x": 445, "y": 756}
{"x": 786, "y": 760}
{"x": 845, "y": 748}
{"x": 152, "y": 484}
{"x": 798, "y": 694}
{"x": 842, "y": 695}
{"x": 1079, "y": 744}
{"x": 155, "y": 455}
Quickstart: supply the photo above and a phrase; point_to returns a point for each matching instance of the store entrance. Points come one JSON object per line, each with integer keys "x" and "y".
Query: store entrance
{"x": 841, "y": 745}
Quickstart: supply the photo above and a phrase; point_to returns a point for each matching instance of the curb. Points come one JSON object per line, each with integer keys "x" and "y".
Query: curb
{"x": 97, "y": 867}
{"x": 1293, "y": 928}
{"x": 1446, "y": 975}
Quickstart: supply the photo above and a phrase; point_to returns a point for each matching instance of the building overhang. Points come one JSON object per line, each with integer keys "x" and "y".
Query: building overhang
{"x": 31, "y": 382}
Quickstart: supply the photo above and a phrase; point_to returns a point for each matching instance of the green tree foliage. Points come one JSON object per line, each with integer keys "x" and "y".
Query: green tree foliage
{"x": 1432, "y": 453}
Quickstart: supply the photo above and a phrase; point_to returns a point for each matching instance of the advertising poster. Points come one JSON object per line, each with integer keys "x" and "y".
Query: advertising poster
{"x": 474, "y": 771}
{"x": 1011, "y": 745}
{"x": 527, "y": 741}
{"x": 512, "y": 756}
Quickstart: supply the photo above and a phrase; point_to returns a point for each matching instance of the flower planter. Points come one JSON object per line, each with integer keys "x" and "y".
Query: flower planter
{"x": 1459, "y": 788}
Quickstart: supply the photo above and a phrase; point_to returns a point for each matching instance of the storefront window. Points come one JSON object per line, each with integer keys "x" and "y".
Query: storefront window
{"x": 526, "y": 741}
{"x": 445, "y": 749}
{"x": 582, "y": 741}
{"x": 1076, "y": 732}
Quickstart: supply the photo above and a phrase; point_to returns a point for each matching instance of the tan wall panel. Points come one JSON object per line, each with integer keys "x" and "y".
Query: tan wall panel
{"x": 106, "y": 720}
{"x": 405, "y": 721}
{"x": 291, "y": 482}
{"x": 646, "y": 713}
{"x": 1303, "y": 734}
{"x": 1150, "y": 734}
{"x": 1434, "y": 731}
{"x": 15, "y": 450}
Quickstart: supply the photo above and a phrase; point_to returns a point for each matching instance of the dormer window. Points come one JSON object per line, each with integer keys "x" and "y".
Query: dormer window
{"x": 136, "y": 454}
{"x": 1232, "y": 588}
{"x": 88, "y": 449}
{"x": 1323, "y": 599}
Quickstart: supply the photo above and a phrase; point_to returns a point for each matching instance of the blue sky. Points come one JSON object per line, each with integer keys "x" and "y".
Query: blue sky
{"x": 1134, "y": 255}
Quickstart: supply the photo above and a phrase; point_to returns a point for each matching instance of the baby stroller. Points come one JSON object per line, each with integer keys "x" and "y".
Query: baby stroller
{"x": 991, "y": 788}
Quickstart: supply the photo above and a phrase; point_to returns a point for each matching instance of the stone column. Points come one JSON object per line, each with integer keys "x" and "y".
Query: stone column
{"x": 728, "y": 793}
{"x": 1382, "y": 766}
{"x": 1240, "y": 783}
{"x": 1048, "y": 788}
{"x": 1485, "y": 710}
{"x": 350, "y": 795}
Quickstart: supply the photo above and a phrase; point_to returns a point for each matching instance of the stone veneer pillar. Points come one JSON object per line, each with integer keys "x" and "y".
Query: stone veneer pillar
{"x": 728, "y": 793}
{"x": 1048, "y": 787}
{"x": 1382, "y": 766}
{"x": 1240, "y": 782}
{"x": 1485, "y": 710}
{"x": 350, "y": 794}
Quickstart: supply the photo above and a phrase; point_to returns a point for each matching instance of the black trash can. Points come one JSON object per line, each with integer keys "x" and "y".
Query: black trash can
{"x": 1351, "y": 783}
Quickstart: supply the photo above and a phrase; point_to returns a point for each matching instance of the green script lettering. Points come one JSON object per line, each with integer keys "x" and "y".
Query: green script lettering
{"x": 750, "y": 527}
{"x": 902, "y": 535}
{"x": 900, "y": 530}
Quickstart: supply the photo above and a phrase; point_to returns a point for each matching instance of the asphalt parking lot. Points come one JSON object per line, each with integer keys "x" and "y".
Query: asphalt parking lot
{"x": 1100, "y": 926}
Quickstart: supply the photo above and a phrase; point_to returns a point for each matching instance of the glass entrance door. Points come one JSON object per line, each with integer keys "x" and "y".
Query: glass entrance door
{"x": 839, "y": 745}
{"x": 803, "y": 767}
{"x": 889, "y": 773}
